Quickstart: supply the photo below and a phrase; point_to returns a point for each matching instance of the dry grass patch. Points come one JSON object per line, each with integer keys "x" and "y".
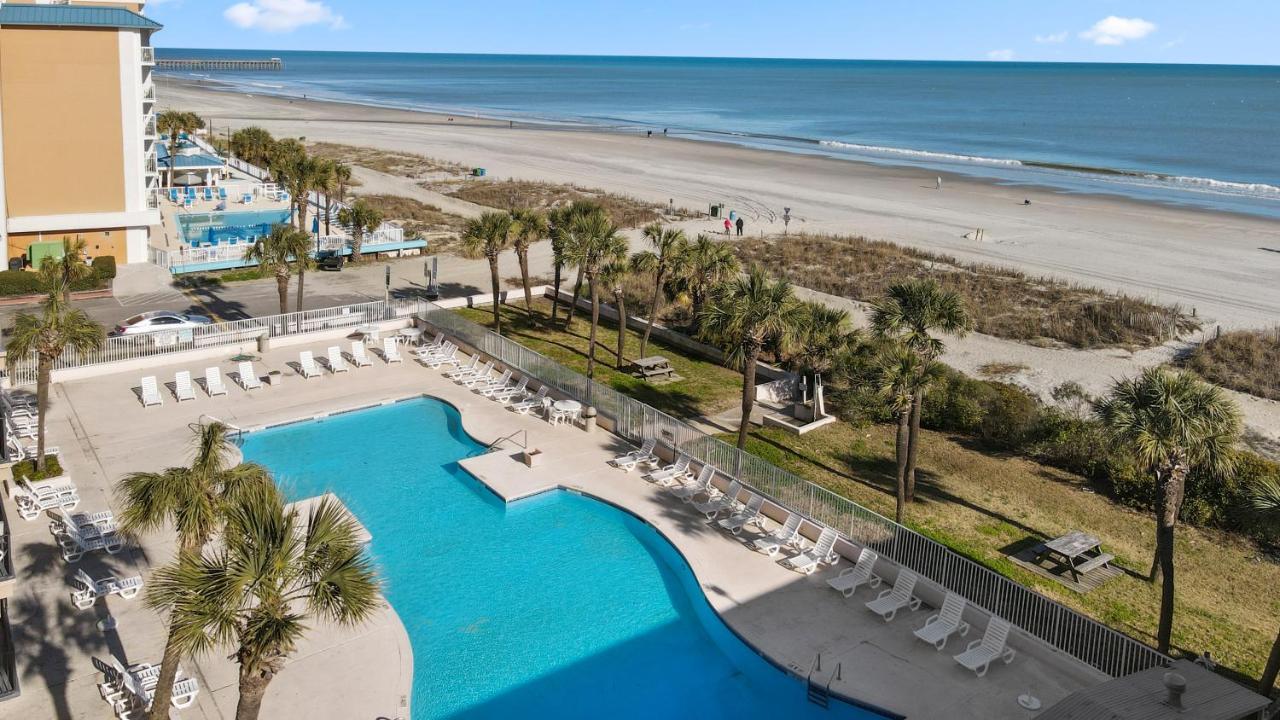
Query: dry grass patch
{"x": 506, "y": 194}
{"x": 1244, "y": 360}
{"x": 419, "y": 218}
{"x": 403, "y": 164}
{"x": 981, "y": 505}
{"x": 1004, "y": 303}
{"x": 1001, "y": 370}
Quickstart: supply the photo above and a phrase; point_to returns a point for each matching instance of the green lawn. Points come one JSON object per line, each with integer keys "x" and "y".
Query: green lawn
{"x": 977, "y": 503}
{"x": 706, "y": 388}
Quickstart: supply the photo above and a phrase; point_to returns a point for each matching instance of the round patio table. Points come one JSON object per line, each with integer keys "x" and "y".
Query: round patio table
{"x": 562, "y": 409}
{"x": 412, "y": 335}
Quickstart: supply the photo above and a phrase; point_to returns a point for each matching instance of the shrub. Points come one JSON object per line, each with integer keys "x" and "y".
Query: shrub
{"x": 1243, "y": 360}
{"x": 26, "y": 470}
{"x": 104, "y": 267}
{"x": 1010, "y": 417}
{"x": 19, "y": 282}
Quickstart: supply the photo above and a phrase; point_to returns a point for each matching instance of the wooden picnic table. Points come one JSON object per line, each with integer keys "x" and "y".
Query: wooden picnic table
{"x": 654, "y": 366}
{"x": 1079, "y": 551}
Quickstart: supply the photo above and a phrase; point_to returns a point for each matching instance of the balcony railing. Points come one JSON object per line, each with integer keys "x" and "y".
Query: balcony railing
{"x": 149, "y": 127}
{"x": 149, "y": 93}
{"x": 148, "y": 55}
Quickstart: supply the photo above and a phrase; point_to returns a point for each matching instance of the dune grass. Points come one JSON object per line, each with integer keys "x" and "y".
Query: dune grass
{"x": 706, "y": 388}
{"x": 404, "y": 164}
{"x": 1243, "y": 360}
{"x": 419, "y": 218}
{"x": 1004, "y": 303}
{"x": 506, "y": 194}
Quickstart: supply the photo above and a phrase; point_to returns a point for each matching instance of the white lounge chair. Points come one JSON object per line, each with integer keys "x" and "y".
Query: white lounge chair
{"x": 979, "y": 655}
{"x": 822, "y": 553}
{"x": 479, "y": 379}
{"x": 427, "y": 352}
{"x": 465, "y": 370}
{"x": 448, "y": 356}
{"x": 151, "y": 392}
{"x": 307, "y": 365}
{"x": 534, "y": 403}
{"x": 182, "y": 389}
{"x": 672, "y": 473}
{"x": 248, "y": 377}
{"x": 359, "y": 357}
{"x": 520, "y": 389}
{"x": 948, "y": 621}
{"x": 74, "y": 544}
{"x": 786, "y": 536}
{"x": 33, "y": 499}
{"x": 213, "y": 382}
{"x": 720, "y": 501}
{"x": 644, "y": 456}
{"x": 494, "y": 386}
{"x": 747, "y": 515}
{"x": 337, "y": 363}
{"x": 862, "y": 573}
{"x": 901, "y": 595}
{"x": 90, "y": 589}
{"x": 391, "y": 350}
{"x": 700, "y": 486}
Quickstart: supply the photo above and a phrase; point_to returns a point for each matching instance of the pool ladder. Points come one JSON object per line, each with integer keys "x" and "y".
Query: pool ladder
{"x": 819, "y": 693}
{"x": 512, "y": 437}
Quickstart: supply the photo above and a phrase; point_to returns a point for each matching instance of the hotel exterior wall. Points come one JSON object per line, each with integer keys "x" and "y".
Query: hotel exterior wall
{"x": 110, "y": 241}
{"x": 62, "y": 109}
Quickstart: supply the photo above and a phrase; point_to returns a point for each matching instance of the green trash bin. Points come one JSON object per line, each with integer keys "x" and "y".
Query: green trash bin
{"x": 715, "y": 211}
{"x": 477, "y": 172}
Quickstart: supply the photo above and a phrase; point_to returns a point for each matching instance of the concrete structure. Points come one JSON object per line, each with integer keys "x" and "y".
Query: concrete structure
{"x": 77, "y": 127}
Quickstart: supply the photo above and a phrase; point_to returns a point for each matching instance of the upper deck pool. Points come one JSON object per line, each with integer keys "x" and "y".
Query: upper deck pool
{"x": 199, "y": 229}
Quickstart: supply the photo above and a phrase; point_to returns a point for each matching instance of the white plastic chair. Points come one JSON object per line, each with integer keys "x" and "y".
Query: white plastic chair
{"x": 182, "y": 389}
{"x": 307, "y": 365}
{"x": 901, "y": 595}
{"x": 337, "y": 363}
{"x": 948, "y": 621}
{"x": 248, "y": 377}
{"x": 391, "y": 350}
{"x": 787, "y": 535}
{"x": 748, "y": 515}
{"x": 151, "y": 392}
{"x": 979, "y": 655}
{"x": 862, "y": 573}
{"x": 213, "y": 382}
{"x": 719, "y": 502}
{"x": 822, "y": 553}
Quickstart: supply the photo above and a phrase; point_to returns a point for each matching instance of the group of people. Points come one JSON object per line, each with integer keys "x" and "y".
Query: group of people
{"x": 729, "y": 225}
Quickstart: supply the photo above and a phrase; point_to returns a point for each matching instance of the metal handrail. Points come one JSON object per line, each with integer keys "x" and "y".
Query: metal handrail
{"x": 493, "y": 445}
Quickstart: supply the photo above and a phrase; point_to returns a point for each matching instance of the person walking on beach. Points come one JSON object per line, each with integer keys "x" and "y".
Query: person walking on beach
{"x": 939, "y": 182}
{"x": 726, "y": 226}
{"x": 739, "y": 225}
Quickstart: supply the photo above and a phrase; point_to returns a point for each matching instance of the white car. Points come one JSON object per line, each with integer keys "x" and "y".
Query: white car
{"x": 160, "y": 321}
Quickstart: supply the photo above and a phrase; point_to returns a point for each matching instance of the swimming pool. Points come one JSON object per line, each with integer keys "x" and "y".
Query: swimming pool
{"x": 554, "y": 606}
{"x": 200, "y": 229}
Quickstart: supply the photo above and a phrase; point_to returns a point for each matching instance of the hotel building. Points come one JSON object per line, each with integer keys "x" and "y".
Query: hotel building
{"x": 77, "y": 128}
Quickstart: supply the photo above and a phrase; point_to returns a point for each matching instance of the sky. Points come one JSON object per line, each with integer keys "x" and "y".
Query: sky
{"x": 1174, "y": 31}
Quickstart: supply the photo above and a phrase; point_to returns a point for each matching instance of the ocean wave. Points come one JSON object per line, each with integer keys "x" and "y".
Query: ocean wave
{"x": 1220, "y": 185}
{"x": 919, "y": 154}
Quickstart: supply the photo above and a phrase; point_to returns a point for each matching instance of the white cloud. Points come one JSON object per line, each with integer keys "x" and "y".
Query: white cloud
{"x": 1053, "y": 37}
{"x": 282, "y": 15}
{"x": 1114, "y": 30}
{"x": 1000, "y": 55}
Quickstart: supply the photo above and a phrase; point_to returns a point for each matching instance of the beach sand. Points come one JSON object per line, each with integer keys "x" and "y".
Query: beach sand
{"x": 1223, "y": 266}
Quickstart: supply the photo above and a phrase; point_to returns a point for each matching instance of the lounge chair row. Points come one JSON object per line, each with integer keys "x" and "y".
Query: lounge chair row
{"x": 336, "y": 361}
{"x": 502, "y": 387}
{"x": 86, "y": 532}
{"x": 937, "y": 629}
{"x": 36, "y": 497}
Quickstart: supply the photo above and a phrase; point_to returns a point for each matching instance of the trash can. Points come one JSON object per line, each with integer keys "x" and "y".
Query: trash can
{"x": 264, "y": 343}
{"x": 715, "y": 211}
{"x": 477, "y": 172}
{"x": 589, "y": 419}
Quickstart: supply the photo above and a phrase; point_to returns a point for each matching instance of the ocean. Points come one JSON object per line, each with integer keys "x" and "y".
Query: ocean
{"x": 1202, "y": 135}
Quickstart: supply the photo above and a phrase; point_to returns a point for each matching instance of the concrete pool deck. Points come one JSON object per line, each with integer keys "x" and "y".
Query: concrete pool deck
{"x": 104, "y": 432}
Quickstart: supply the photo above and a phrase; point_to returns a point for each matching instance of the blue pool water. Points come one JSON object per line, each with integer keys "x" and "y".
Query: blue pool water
{"x": 215, "y": 228}
{"x": 555, "y": 606}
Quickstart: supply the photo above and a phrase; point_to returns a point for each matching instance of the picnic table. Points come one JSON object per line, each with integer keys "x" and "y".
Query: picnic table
{"x": 654, "y": 366}
{"x": 1079, "y": 551}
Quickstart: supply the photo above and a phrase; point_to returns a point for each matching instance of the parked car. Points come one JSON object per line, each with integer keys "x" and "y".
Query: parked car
{"x": 330, "y": 260}
{"x": 160, "y": 321}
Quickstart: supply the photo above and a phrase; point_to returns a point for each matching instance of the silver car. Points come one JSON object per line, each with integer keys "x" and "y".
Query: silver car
{"x": 160, "y": 321}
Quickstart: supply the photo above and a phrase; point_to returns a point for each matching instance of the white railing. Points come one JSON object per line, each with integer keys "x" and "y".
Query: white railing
{"x": 1040, "y": 617}
{"x": 248, "y": 168}
{"x": 149, "y": 93}
{"x": 148, "y": 55}
{"x": 236, "y": 332}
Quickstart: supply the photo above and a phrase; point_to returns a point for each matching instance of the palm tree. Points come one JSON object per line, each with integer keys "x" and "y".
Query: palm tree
{"x": 327, "y": 183}
{"x": 253, "y": 145}
{"x": 567, "y": 228}
{"x": 911, "y": 311}
{"x": 667, "y": 242}
{"x": 300, "y": 175}
{"x": 597, "y": 243}
{"x": 361, "y": 217}
{"x": 613, "y": 277}
{"x": 531, "y": 227}
{"x": 487, "y": 236}
{"x": 900, "y": 374}
{"x": 194, "y": 500}
{"x": 275, "y": 254}
{"x": 173, "y": 123}
{"x": 276, "y": 575}
{"x": 302, "y": 262}
{"x": 743, "y": 317}
{"x": 1265, "y": 499}
{"x": 68, "y": 269}
{"x": 1172, "y": 422}
{"x": 342, "y": 177}
{"x": 823, "y": 335}
{"x": 705, "y": 266}
{"x": 57, "y": 328}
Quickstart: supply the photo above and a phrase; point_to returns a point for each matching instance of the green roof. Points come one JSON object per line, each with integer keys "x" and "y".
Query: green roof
{"x": 73, "y": 16}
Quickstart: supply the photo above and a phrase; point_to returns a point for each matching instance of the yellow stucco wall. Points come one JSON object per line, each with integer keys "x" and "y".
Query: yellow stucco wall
{"x": 97, "y": 243}
{"x": 60, "y": 95}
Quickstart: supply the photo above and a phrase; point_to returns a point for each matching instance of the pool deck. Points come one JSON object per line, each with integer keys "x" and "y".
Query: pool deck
{"x": 104, "y": 432}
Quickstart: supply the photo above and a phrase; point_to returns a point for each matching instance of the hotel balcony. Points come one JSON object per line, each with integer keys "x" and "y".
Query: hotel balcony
{"x": 148, "y": 93}
{"x": 149, "y": 128}
{"x": 148, "y": 55}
